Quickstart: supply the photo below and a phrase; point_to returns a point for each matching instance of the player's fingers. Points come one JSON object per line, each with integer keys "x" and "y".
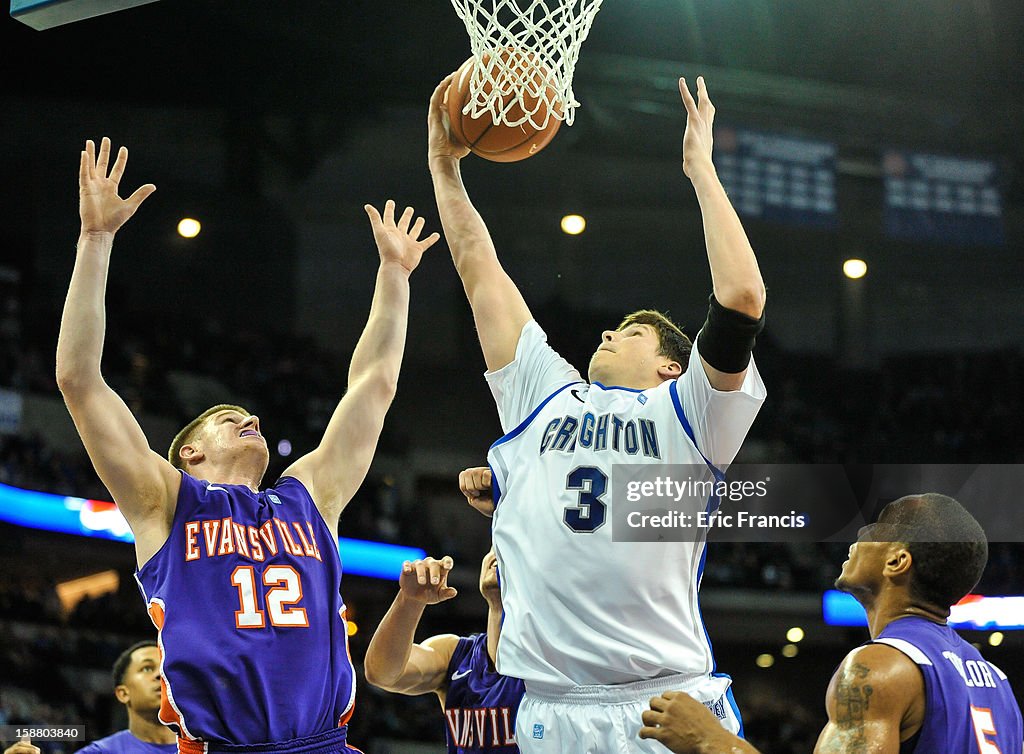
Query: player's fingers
{"x": 446, "y": 593}
{"x": 421, "y": 572}
{"x": 90, "y": 152}
{"x": 684, "y": 90}
{"x": 389, "y": 212}
{"x": 651, "y": 732}
{"x": 650, "y": 717}
{"x": 405, "y": 219}
{"x": 430, "y": 240}
{"x": 118, "y": 170}
{"x": 466, "y": 485}
{"x": 434, "y": 569}
{"x": 658, "y": 704}
{"x": 374, "y": 215}
{"x": 83, "y": 168}
{"x": 417, "y": 228}
{"x": 139, "y": 196}
{"x": 437, "y": 98}
{"x": 104, "y": 158}
{"x": 447, "y": 563}
{"x": 670, "y": 695}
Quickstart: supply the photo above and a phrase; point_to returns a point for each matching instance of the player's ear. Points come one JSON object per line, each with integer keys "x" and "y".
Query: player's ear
{"x": 190, "y": 454}
{"x": 898, "y": 561}
{"x": 121, "y": 693}
{"x": 670, "y": 370}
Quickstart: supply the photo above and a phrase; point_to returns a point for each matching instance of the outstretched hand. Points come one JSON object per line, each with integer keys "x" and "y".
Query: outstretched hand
{"x": 439, "y": 136}
{"x": 426, "y": 580}
{"x": 700, "y": 121}
{"x": 397, "y": 242}
{"x": 100, "y": 207}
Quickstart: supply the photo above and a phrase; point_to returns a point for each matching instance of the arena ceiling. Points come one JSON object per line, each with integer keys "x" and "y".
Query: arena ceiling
{"x": 944, "y": 72}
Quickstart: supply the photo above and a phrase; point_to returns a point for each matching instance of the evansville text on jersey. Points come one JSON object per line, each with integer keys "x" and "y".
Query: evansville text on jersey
{"x": 604, "y": 432}
{"x": 222, "y": 536}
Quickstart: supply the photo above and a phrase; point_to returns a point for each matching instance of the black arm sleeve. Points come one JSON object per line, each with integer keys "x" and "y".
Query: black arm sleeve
{"x": 728, "y": 337}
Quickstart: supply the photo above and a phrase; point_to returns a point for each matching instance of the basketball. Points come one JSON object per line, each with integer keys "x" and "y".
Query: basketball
{"x": 517, "y": 72}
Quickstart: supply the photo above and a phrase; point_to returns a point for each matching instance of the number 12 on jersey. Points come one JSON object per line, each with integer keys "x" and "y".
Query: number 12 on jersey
{"x": 285, "y": 591}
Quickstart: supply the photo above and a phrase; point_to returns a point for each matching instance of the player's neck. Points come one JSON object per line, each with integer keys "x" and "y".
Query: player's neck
{"x": 149, "y": 729}
{"x": 891, "y": 606}
{"x": 241, "y": 474}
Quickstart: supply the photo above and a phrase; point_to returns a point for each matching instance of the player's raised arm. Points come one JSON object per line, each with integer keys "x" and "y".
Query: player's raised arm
{"x": 144, "y": 485}
{"x": 498, "y": 307}
{"x": 738, "y": 287}
{"x": 393, "y": 661}
{"x": 875, "y": 700}
{"x": 335, "y": 469}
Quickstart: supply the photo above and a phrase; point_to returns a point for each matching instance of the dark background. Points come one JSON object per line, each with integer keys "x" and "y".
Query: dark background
{"x": 273, "y": 123}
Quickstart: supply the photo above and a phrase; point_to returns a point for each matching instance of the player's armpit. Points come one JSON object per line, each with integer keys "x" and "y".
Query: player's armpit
{"x": 874, "y": 701}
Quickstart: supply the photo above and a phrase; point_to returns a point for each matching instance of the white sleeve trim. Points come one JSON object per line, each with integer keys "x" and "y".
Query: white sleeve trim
{"x": 906, "y": 648}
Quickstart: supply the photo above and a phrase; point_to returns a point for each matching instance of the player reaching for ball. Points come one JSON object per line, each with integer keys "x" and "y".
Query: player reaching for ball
{"x": 594, "y": 626}
{"x": 241, "y": 583}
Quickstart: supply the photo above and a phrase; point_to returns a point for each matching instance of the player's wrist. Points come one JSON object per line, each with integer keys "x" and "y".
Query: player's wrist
{"x": 700, "y": 170}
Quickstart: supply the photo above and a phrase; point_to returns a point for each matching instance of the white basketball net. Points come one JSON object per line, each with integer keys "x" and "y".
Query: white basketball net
{"x": 549, "y": 32}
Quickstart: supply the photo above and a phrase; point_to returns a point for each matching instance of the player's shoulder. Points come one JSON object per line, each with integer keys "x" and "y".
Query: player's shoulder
{"x": 882, "y": 670}
{"x": 113, "y": 744}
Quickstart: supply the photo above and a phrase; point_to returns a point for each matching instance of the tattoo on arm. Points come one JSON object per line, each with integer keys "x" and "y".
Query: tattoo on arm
{"x": 852, "y": 699}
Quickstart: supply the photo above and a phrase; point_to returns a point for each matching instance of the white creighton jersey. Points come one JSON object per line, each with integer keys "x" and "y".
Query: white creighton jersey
{"x": 581, "y": 609}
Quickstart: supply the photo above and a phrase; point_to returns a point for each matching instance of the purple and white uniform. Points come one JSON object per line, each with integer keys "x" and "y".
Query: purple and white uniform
{"x": 480, "y": 705}
{"x": 969, "y": 705}
{"x": 252, "y": 632}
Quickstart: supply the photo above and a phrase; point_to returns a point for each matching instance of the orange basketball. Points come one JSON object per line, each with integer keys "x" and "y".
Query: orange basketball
{"x": 503, "y": 143}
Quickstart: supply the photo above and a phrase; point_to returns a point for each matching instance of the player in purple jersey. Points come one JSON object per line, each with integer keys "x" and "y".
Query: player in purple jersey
{"x": 137, "y": 687}
{"x": 241, "y": 583}
{"x": 479, "y": 704}
{"x": 916, "y": 687}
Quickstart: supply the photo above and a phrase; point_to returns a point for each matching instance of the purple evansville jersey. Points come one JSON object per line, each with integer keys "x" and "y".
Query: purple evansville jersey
{"x": 252, "y": 632}
{"x": 480, "y": 705}
{"x": 969, "y": 705}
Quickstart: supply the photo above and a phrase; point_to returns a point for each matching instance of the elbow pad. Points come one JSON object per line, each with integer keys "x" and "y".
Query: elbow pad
{"x": 727, "y": 338}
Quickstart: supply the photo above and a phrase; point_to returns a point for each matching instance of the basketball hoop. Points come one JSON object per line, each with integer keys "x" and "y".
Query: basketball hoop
{"x": 543, "y": 40}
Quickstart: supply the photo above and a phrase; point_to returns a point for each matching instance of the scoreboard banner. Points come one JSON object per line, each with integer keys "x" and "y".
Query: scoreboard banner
{"x": 936, "y": 198}
{"x": 778, "y": 177}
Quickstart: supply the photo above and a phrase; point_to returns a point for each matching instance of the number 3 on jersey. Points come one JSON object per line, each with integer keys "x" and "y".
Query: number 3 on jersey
{"x": 285, "y": 591}
{"x": 589, "y": 513}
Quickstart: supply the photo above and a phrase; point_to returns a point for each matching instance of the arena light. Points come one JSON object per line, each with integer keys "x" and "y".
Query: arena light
{"x": 764, "y": 661}
{"x": 996, "y": 638}
{"x": 855, "y": 269}
{"x": 189, "y": 227}
{"x": 790, "y": 651}
{"x": 574, "y": 224}
{"x": 98, "y": 518}
{"x": 795, "y": 634}
{"x": 351, "y": 627}
{"x": 973, "y": 613}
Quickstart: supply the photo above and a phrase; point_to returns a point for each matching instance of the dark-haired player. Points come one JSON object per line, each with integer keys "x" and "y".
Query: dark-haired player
{"x": 591, "y": 625}
{"x": 479, "y": 704}
{"x": 137, "y": 686}
{"x": 241, "y": 583}
{"x": 916, "y": 687}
